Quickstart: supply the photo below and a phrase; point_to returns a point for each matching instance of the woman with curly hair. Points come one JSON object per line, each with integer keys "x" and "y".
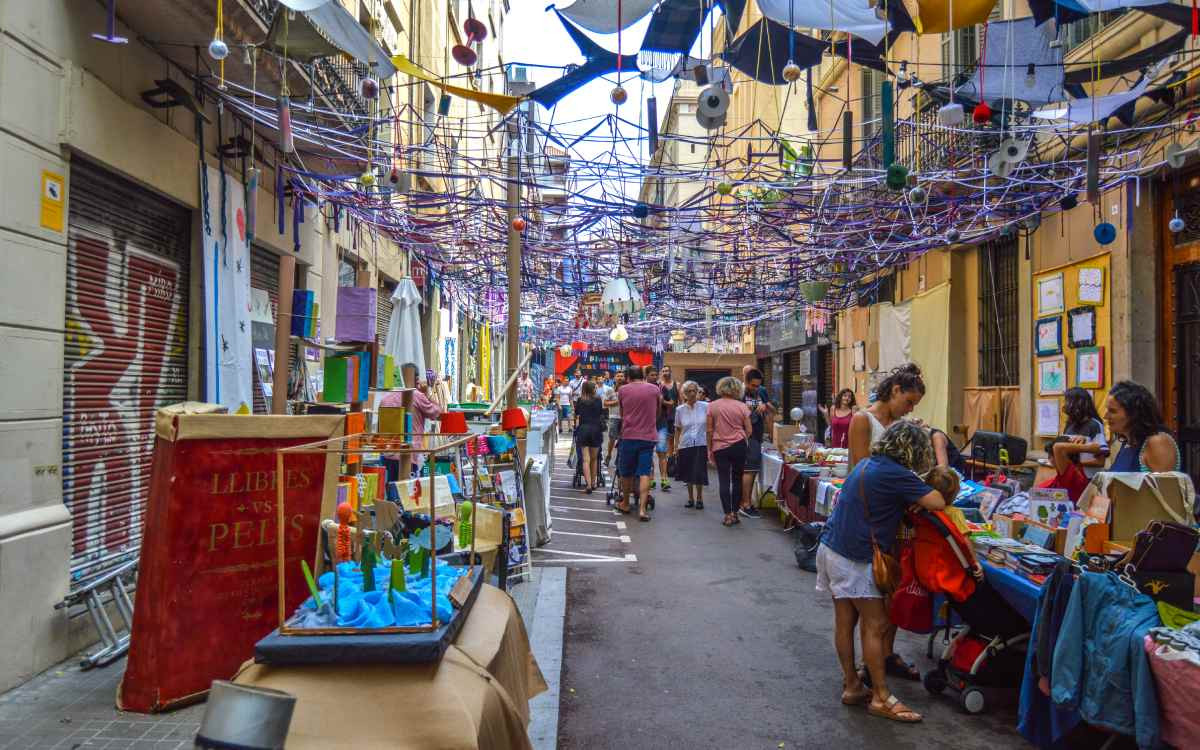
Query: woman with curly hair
{"x": 838, "y": 415}
{"x": 895, "y": 396}
{"x": 870, "y": 507}
{"x": 1133, "y": 417}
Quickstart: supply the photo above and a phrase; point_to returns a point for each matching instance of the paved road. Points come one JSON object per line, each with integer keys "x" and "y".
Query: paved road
{"x": 714, "y": 638}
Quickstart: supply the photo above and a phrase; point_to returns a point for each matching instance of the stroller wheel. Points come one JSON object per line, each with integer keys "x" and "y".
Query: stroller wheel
{"x": 973, "y": 701}
{"x": 934, "y": 681}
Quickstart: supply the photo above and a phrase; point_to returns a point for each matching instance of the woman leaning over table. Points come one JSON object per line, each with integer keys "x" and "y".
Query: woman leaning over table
{"x": 888, "y": 483}
{"x": 895, "y": 396}
{"x": 691, "y": 461}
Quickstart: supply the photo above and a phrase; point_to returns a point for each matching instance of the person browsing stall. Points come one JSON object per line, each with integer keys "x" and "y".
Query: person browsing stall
{"x": 762, "y": 411}
{"x": 609, "y": 397}
{"x": 640, "y": 406}
{"x": 869, "y": 510}
{"x": 895, "y": 396}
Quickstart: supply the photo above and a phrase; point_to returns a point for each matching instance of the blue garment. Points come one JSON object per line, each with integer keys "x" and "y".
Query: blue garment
{"x": 1100, "y": 666}
{"x": 1040, "y": 721}
{"x": 1128, "y": 459}
{"x": 889, "y": 489}
{"x": 635, "y": 458}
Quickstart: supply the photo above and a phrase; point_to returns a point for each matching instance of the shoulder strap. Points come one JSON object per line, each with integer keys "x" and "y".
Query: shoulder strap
{"x": 862, "y": 498}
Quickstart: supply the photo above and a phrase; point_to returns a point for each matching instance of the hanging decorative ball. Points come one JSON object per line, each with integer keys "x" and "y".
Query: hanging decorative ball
{"x": 619, "y": 334}
{"x": 791, "y": 72}
{"x": 724, "y": 188}
{"x": 368, "y": 88}
{"x": 519, "y": 224}
{"x": 1069, "y": 201}
{"x": 897, "y": 176}
{"x": 953, "y": 235}
{"x": 982, "y": 114}
{"x": 618, "y": 95}
{"x": 1104, "y": 233}
{"x": 916, "y": 195}
{"x": 367, "y": 179}
{"x": 641, "y": 211}
{"x": 796, "y": 413}
{"x": 1176, "y": 224}
{"x": 394, "y": 176}
{"x": 218, "y": 49}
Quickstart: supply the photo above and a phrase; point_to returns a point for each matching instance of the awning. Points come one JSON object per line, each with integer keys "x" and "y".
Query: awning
{"x": 325, "y": 31}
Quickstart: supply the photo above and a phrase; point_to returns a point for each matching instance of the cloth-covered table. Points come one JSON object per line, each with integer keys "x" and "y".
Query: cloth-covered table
{"x": 1019, "y": 591}
{"x": 477, "y": 696}
{"x": 772, "y": 469}
{"x": 794, "y": 491}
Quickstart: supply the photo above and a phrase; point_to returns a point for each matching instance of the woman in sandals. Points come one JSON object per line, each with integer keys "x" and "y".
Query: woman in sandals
{"x": 869, "y": 509}
{"x": 691, "y": 468}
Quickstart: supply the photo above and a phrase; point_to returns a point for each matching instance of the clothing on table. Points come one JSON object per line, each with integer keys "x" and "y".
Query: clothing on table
{"x": 563, "y": 392}
{"x": 758, "y": 422}
{"x": 1039, "y": 720}
{"x": 954, "y": 457}
{"x": 691, "y": 425}
{"x": 728, "y": 416}
{"x": 844, "y": 578}
{"x": 635, "y": 458}
{"x": 691, "y": 465}
{"x": 888, "y": 488}
{"x": 1100, "y": 665}
{"x": 639, "y": 411}
{"x": 839, "y": 429}
{"x": 730, "y": 462}
{"x": 590, "y": 431}
{"x": 1132, "y": 458}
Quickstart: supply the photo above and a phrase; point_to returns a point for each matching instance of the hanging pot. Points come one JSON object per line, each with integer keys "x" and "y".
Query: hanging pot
{"x": 814, "y": 291}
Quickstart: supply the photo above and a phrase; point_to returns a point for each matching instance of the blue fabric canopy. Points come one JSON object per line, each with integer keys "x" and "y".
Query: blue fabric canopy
{"x": 598, "y": 62}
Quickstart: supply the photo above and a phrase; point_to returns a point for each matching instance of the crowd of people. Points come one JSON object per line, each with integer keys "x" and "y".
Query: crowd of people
{"x": 655, "y": 423}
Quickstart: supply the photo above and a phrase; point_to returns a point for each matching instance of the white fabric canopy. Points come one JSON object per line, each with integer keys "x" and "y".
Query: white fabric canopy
{"x": 1084, "y": 111}
{"x": 600, "y": 16}
{"x": 404, "y": 343}
{"x": 854, "y": 16}
{"x": 894, "y": 335}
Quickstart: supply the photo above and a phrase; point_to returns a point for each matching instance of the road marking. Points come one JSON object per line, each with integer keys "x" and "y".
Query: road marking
{"x": 586, "y": 555}
{"x": 578, "y": 499}
{"x": 622, "y": 538}
{"x": 582, "y": 510}
{"x": 559, "y": 563}
{"x": 620, "y": 525}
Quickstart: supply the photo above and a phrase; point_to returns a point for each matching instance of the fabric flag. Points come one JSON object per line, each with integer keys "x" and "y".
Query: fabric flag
{"x": 1015, "y": 45}
{"x": 600, "y": 16}
{"x": 765, "y": 48}
{"x": 1094, "y": 109}
{"x": 498, "y": 102}
{"x": 853, "y": 16}
{"x": 933, "y": 16}
{"x": 228, "y": 378}
{"x": 599, "y": 62}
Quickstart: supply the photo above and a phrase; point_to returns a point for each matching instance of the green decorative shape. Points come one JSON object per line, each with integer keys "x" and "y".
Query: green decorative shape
{"x": 897, "y": 176}
{"x": 398, "y": 581}
{"x": 312, "y": 584}
{"x": 724, "y": 188}
{"x": 367, "y": 564}
{"x": 466, "y": 524}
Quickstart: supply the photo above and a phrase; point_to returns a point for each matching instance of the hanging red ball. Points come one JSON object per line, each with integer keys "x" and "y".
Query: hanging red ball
{"x": 518, "y": 224}
{"x": 982, "y": 114}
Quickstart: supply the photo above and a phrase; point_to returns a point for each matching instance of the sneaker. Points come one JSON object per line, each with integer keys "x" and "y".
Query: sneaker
{"x": 665, "y": 486}
{"x": 750, "y": 512}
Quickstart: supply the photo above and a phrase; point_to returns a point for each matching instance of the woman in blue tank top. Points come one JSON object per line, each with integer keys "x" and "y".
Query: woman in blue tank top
{"x": 1133, "y": 418}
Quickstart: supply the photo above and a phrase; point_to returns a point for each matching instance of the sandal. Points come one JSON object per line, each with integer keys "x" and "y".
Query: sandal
{"x": 861, "y": 698}
{"x": 690, "y": 504}
{"x": 699, "y": 505}
{"x": 644, "y": 519}
{"x": 726, "y": 522}
{"x": 623, "y": 511}
{"x": 897, "y": 667}
{"x": 894, "y": 710}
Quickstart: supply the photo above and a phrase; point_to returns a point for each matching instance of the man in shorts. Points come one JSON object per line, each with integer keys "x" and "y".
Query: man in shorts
{"x": 608, "y": 396}
{"x": 761, "y": 414}
{"x": 563, "y": 396}
{"x": 640, "y": 405}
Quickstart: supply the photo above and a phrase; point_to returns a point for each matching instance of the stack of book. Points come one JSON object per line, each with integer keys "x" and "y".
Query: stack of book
{"x": 305, "y": 312}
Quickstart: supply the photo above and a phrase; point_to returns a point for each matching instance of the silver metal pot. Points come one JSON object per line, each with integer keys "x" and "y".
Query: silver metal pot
{"x": 247, "y": 718}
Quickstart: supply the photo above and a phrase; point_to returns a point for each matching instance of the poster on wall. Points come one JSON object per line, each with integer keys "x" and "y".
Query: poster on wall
{"x": 1050, "y": 294}
{"x": 860, "y": 356}
{"x": 1089, "y": 367}
{"x": 1047, "y": 417}
{"x": 228, "y": 378}
{"x": 1091, "y": 284}
{"x": 1081, "y": 326}
{"x": 1052, "y": 376}
{"x": 1049, "y": 336}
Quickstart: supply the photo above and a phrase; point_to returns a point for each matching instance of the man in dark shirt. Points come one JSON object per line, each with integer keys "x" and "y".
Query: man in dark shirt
{"x": 762, "y": 413}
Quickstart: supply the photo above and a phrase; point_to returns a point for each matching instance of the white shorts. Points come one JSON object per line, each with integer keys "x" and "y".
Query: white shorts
{"x": 843, "y": 577}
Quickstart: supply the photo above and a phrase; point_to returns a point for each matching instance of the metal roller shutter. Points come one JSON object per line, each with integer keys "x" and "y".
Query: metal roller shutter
{"x": 264, "y": 274}
{"x": 125, "y": 355}
{"x": 383, "y": 317}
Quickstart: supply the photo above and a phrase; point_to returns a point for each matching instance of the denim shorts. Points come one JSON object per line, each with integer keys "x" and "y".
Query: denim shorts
{"x": 635, "y": 458}
{"x": 660, "y": 445}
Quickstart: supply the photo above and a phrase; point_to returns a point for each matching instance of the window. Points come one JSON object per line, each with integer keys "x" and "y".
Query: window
{"x": 872, "y": 103}
{"x": 998, "y": 329}
{"x": 1076, "y": 33}
{"x": 960, "y": 50}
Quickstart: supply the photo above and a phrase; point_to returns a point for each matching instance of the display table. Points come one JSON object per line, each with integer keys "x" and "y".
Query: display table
{"x": 1019, "y": 591}
{"x": 476, "y": 697}
{"x": 772, "y": 469}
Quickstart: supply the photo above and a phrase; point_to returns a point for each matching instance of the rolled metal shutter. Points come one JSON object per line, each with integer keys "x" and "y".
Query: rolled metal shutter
{"x": 383, "y": 317}
{"x": 264, "y": 274}
{"x": 125, "y": 355}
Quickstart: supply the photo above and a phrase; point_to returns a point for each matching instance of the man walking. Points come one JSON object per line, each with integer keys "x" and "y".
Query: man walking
{"x": 761, "y": 414}
{"x": 563, "y": 394}
{"x": 640, "y": 405}
{"x": 609, "y": 397}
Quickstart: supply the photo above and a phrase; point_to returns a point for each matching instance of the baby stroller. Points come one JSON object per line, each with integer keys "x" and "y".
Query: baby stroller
{"x": 613, "y": 496}
{"x": 984, "y": 657}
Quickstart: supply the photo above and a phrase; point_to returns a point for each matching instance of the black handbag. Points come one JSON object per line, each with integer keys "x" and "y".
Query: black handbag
{"x": 1163, "y": 546}
{"x": 672, "y": 466}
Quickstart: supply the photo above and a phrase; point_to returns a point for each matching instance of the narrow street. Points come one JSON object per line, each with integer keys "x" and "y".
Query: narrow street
{"x": 709, "y": 617}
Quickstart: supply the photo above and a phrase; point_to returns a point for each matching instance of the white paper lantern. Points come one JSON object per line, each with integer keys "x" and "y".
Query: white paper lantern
{"x": 619, "y": 333}
{"x": 620, "y": 297}
{"x": 565, "y": 350}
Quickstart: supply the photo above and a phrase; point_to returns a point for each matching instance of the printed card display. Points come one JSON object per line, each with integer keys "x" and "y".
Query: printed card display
{"x": 1081, "y": 326}
{"x": 989, "y": 500}
{"x": 1050, "y": 506}
{"x": 1091, "y": 284}
{"x": 1047, "y": 416}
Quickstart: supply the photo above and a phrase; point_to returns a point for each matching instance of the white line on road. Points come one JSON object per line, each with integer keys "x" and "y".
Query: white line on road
{"x": 585, "y": 555}
{"x": 623, "y": 539}
{"x": 582, "y": 510}
{"x": 620, "y": 525}
{"x": 578, "y": 499}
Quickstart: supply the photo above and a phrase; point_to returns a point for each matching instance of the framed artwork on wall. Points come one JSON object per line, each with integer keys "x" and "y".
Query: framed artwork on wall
{"x": 1091, "y": 284}
{"x": 1047, "y": 417}
{"x": 1089, "y": 367}
{"x": 859, "y": 349}
{"x": 1052, "y": 376}
{"x": 1081, "y": 326}
{"x": 1050, "y": 294}
{"x": 1049, "y": 336}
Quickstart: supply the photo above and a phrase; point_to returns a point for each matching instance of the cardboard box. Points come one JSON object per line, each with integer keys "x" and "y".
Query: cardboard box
{"x": 782, "y": 433}
{"x": 1133, "y": 509}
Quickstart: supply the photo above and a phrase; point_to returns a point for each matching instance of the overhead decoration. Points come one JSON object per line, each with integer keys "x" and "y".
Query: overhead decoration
{"x": 851, "y": 16}
{"x": 326, "y": 30}
{"x": 598, "y": 62}
{"x": 762, "y": 51}
{"x": 499, "y": 102}
{"x": 600, "y": 16}
{"x": 620, "y": 297}
{"x": 1011, "y": 50}
{"x": 933, "y": 16}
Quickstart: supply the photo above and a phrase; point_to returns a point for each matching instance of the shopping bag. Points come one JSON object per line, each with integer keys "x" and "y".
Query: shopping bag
{"x": 911, "y": 606}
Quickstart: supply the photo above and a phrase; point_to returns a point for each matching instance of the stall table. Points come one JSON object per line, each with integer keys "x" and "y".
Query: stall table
{"x": 477, "y": 696}
{"x": 1018, "y": 590}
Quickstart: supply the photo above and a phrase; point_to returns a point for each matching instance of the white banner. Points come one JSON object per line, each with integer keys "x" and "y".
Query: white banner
{"x": 227, "y": 301}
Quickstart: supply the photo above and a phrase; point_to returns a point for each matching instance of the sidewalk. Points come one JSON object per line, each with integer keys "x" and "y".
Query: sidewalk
{"x": 66, "y": 708}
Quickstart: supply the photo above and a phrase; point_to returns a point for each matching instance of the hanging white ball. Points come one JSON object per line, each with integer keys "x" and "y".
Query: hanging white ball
{"x": 1176, "y": 224}
{"x": 218, "y": 49}
{"x": 368, "y": 88}
{"x": 917, "y": 194}
{"x": 618, "y": 95}
{"x": 797, "y": 414}
{"x": 791, "y": 72}
{"x": 953, "y": 235}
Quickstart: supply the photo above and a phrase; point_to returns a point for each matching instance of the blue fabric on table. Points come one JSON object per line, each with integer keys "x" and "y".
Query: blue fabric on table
{"x": 1040, "y": 721}
{"x": 1017, "y": 590}
{"x": 1100, "y": 665}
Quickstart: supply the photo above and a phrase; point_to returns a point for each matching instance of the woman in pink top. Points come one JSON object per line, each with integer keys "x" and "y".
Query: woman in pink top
{"x": 728, "y": 428}
{"x": 422, "y": 407}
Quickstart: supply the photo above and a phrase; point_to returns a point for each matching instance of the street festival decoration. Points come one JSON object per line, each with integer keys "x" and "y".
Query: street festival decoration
{"x": 765, "y": 235}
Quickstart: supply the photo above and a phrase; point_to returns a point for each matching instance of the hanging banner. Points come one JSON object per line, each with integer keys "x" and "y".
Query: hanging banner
{"x": 448, "y": 336}
{"x": 227, "y": 303}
